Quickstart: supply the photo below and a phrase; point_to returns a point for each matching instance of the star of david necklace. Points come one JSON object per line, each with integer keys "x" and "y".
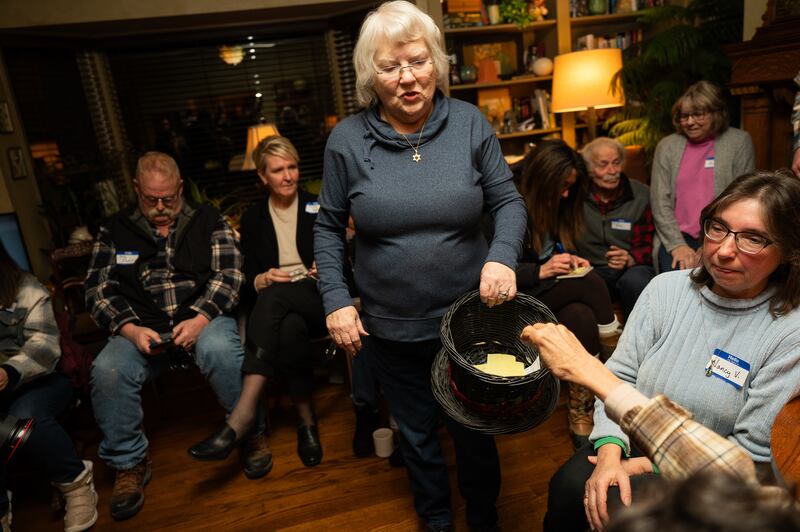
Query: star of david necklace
{"x": 416, "y": 157}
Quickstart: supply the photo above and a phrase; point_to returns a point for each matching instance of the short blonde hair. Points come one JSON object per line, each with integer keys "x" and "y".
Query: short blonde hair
{"x": 397, "y": 22}
{"x": 601, "y": 142}
{"x": 159, "y": 163}
{"x": 703, "y": 96}
{"x": 273, "y": 145}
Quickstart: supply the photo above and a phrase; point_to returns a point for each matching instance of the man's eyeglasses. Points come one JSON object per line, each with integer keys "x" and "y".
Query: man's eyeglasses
{"x": 698, "y": 116}
{"x": 746, "y": 242}
{"x": 168, "y": 201}
{"x": 420, "y": 66}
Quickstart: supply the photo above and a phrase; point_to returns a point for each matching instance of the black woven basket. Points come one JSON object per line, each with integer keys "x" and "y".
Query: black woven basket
{"x": 470, "y": 331}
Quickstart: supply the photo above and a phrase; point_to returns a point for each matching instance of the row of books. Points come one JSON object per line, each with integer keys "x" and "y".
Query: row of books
{"x": 621, "y": 40}
{"x": 579, "y": 8}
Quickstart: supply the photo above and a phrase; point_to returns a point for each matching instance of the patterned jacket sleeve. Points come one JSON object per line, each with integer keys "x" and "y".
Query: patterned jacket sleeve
{"x": 40, "y": 351}
{"x": 642, "y": 238}
{"x": 109, "y": 309}
{"x": 221, "y": 294}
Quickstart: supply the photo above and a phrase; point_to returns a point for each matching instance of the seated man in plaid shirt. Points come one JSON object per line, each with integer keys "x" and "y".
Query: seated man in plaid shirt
{"x": 618, "y": 237}
{"x": 162, "y": 269}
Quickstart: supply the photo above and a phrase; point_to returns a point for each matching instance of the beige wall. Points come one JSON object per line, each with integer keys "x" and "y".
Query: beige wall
{"x": 753, "y": 11}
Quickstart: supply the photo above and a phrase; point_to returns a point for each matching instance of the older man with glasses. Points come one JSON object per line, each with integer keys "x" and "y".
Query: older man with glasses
{"x": 163, "y": 277}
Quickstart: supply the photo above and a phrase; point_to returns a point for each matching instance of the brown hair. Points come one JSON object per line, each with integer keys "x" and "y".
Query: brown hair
{"x": 703, "y": 96}
{"x": 273, "y": 145}
{"x": 779, "y": 195}
{"x": 544, "y": 171}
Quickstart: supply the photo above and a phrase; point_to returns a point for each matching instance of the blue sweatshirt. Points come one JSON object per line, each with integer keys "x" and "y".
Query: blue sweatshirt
{"x": 418, "y": 239}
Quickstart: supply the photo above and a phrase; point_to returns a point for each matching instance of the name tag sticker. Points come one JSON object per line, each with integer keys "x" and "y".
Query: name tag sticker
{"x": 312, "y": 207}
{"x": 126, "y": 258}
{"x": 620, "y": 224}
{"x": 709, "y": 162}
{"x": 729, "y": 368}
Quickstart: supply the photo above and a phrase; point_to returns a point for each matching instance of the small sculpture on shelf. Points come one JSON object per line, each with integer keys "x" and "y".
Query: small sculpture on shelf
{"x": 538, "y": 10}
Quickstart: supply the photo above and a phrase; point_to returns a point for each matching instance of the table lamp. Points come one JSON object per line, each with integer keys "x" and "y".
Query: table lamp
{"x": 256, "y": 134}
{"x": 583, "y": 81}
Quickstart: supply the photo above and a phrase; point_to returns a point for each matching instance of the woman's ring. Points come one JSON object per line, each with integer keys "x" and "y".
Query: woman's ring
{"x": 503, "y": 294}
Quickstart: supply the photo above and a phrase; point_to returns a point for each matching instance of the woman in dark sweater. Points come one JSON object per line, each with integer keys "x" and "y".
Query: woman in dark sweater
{"x": 554, "y": 183}
{"x": 277, "y": 243}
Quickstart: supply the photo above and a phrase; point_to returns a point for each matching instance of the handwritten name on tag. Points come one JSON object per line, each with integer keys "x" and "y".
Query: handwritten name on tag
{"x": 620, "y": 224}
{"x": 728, "y": 368}
{"x": 126, "y": 258}
{"x": 709, "y": 162}
{"x": 312, "y": 207}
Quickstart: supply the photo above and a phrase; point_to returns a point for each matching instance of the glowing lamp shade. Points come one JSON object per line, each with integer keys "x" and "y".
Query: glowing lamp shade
{"x": 256, "y": 134}
{"x": 582, "y": 80}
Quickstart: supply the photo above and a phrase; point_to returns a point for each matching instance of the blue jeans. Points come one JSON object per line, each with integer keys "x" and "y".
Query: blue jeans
{"x": 665, "y": 257}
{"x": 48, "y": 444}
{"x": 404, "y": 373}
{"x": 120, "y": 370}
{"x": 627, "y": 284}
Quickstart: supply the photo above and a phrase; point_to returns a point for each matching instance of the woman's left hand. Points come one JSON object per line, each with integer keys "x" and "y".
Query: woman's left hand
{"x": 498, "y": 284}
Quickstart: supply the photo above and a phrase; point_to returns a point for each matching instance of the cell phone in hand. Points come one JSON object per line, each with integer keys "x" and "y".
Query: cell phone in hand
{"x": 163, "y": 345}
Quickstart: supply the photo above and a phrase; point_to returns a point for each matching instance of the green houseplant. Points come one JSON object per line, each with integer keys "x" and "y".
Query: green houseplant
{"x": 683, "y": 45}
{"x": 515, "y": 12}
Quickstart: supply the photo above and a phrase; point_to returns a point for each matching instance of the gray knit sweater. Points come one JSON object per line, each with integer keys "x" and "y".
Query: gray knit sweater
{"x": 669, "y": 339}
{"x": 418, "y": 241}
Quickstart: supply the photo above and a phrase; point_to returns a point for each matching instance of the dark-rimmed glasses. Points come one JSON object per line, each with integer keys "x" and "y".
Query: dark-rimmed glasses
{"x": 698, "y": 116}
{"x": 152, "y": 201}
{"x": 746, "y": 241}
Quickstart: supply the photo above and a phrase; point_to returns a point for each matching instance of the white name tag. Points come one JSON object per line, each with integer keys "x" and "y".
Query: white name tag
{"x": 621, "y": 225}
{"x": 709, "y": 162}
{"x": 126, "y": 258}
{"x": 728, "y": 368}
{"x": 312, "y": 207}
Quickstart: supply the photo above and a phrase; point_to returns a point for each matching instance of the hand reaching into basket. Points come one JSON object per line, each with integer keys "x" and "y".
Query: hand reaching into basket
{"x": 345, "y": 327}
{"x": 498, "y": 284}
{"x": 564, "y": 355}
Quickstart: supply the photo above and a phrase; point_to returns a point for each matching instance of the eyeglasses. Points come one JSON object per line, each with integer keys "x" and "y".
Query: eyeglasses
{"x": 698, "y": 116}
{"x": 420, "y": 66}
{"x": 746, "y": 242}
{"x": 152, "y": 201}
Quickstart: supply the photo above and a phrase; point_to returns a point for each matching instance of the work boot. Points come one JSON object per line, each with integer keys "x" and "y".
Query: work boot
{"x": 256, "y": 456}
{"x": 127, "y": 498}
{"x": 80, "y": 499}
{"x": 366, "y": 422}
{"x": 580, "y": 411}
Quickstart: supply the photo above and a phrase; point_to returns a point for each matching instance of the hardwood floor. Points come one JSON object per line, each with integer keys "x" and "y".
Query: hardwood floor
{"x": 343, "y": 493}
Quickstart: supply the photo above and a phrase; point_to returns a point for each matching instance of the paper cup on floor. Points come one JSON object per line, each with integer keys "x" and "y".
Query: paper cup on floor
{"x": 384, "y": 445}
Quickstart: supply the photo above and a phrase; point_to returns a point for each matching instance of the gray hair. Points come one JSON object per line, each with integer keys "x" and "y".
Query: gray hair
{"x": 159, "y": 163}
{"x": 601, "y": 142}
{"x": 396, "y": 22}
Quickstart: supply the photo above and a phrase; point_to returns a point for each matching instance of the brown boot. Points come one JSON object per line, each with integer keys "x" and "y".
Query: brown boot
{"x": 80, "y": 498}
{"x": 580, "y": 414}
{"x": 256, "y": 456}
{"x": 128, "y": 495}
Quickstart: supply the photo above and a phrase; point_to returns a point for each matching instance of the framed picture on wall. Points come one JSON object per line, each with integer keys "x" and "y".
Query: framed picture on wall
{"x": 16, "y": 163}
{"x": 6, "y": 125}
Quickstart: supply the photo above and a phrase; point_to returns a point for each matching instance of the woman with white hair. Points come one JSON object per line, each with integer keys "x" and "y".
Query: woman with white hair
{"x": 416, "y": 169}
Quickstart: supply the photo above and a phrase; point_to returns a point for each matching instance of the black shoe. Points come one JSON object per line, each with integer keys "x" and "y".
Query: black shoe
{"x": 256, "y": 456}
{"x": 366, "y": 423}
{"x": 309, "y": 449}
{"x": 438, "y": 528}
{"x": 217, "y": 446}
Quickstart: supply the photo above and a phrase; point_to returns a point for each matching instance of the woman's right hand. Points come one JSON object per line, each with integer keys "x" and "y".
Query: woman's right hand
{"x": 346, "y": 329}
{"x": 684, "y": 257}
{"x": 609, "y": 471}
{"x": 559, "y": 264}
{"x": 273, "y": 275}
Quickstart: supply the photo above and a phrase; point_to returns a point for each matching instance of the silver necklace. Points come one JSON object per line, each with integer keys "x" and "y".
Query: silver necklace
{"x": 416, "y": 157}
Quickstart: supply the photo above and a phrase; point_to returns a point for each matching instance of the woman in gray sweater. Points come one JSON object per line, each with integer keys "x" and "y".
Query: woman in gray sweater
{"x": 416, "y": 170}
{"x": 691, "y": 167}
{"x": 723, "y": 341}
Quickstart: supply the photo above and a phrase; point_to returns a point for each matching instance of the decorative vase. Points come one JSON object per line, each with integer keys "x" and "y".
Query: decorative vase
{"x": 468, "y": 73}
{"x": 598, "y": 7}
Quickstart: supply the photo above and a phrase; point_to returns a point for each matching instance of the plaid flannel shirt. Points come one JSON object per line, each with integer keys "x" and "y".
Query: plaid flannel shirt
{"x": 642, "y": 231}
{"x": 167, "y": 287}
{"x": 796, "y": 116}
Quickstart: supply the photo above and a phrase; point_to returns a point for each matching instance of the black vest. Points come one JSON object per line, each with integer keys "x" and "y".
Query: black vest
{"x": 192, "y": 259}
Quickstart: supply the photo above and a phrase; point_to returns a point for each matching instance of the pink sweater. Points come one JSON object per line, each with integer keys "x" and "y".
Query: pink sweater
{"x": 694, "y": 186}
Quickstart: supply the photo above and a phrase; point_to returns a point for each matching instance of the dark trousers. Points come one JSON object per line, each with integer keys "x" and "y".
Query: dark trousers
{"x": 626, "y": 284}
{"x": 48, "y": 444}
{"x": 565, "y": 510}
{"x": 665, "y": 257}
{"x": 580, "y": 304}
{"x": 284, "y": 319}
{"x": 404, "y": 373}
